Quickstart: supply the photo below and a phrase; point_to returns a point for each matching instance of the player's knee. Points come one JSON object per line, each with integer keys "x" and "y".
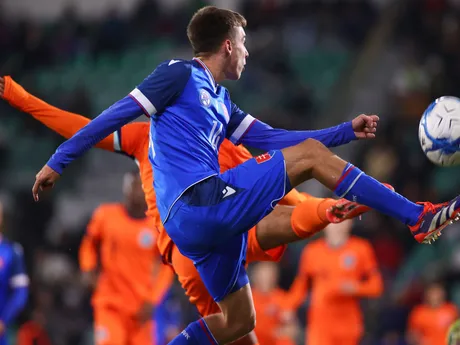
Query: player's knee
{"x": 244, "y": 324}
{"x": 312, "y": 148}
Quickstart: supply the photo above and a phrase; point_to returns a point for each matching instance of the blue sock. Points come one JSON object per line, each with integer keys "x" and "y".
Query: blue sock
{"x": 196, "y": 333}
{"x": 355, "y": 185}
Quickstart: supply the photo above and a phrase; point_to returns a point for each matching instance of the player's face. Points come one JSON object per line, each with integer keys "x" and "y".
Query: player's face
{"x": 435, "y": 295}
{"x": 237, "y": 54}
{"x": 338, "y": 233}
{"x": 133, "y": 190}
{"x": 265, "y": 276}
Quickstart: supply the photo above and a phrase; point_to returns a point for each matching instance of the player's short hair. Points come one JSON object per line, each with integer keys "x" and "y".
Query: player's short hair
{"x": 210, "y": 26}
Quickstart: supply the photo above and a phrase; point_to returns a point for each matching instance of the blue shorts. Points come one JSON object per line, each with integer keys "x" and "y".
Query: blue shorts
{"x": 209, "y": 223}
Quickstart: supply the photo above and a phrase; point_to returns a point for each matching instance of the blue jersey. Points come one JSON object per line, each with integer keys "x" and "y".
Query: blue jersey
{"x": 13, "y": 280}
{"x": 190, "y": 117}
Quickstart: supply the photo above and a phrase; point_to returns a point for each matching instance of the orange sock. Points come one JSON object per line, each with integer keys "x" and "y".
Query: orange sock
{"x": 310, "y": 216}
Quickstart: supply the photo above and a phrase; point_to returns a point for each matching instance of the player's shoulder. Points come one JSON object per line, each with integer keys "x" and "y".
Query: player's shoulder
{"x": 418, "y": 310}
{"x": 175, "y": 67}
{"x": 315, "y": 245}
{"x": 452, "y": 307}
{"x": 360, "y": 243}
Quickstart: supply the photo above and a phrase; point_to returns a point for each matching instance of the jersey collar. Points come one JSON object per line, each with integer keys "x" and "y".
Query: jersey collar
{"x": 208, "y": 72}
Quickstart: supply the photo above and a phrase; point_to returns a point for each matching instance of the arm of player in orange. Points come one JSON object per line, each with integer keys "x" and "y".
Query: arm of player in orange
{"x": 299, "y": 288}
{"x": 127, "y": 140}
{"x": 372, "y": 285}
{"x": 414, "y": 328}
{"x": 163, "y": 282}
{"x": 88, "y": 253}
{"x": 60, "y": 121}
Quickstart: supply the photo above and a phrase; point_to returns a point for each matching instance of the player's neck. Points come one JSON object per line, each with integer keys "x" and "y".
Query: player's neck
{"x": 336, "y": 242}
{"x": 214, "y": 65}
{"x": 134, "y": 211}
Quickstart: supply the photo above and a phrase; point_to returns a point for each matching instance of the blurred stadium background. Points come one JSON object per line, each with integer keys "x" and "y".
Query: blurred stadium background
{"x": 313, "y": 63}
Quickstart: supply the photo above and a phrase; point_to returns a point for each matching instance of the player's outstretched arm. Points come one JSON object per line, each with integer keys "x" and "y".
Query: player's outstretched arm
{"x": 152, "y": 96}
{"x": 243, "y": 128}
{"x": 110, "y": 120}
{"x": 60, "y": 121}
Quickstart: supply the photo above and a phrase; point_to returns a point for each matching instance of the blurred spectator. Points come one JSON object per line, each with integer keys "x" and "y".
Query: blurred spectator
{"x": 429, "y": 322}
{"x": 33, "y": 331}
{"x": 340, "y": 269}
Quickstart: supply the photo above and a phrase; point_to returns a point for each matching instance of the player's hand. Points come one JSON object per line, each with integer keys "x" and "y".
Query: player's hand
{"x": 2, "y": 86}
{"x": 145, "y": 313}
{"x": 2, "y": 328}
{"x": 365, "y": 126}
{"x": 45, "y": 179}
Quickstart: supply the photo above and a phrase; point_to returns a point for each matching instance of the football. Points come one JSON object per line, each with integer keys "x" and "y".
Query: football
{"x": 439, "y": 131}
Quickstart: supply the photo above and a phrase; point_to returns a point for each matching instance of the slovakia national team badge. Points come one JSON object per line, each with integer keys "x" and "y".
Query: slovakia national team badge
{"x": 205, "y": 98}
{"x": 146, "y": 238}
{"x": 348, "y": 261}
{"x": 263, "y": 158}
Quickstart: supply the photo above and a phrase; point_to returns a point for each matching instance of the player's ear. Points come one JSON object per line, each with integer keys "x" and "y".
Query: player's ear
{"x": 228, "y": 47}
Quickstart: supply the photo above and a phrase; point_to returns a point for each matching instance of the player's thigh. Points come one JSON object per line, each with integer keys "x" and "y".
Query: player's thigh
{"x": 222, "y": 269}
{"x": 302, "y": 158}
{"x": 191, "y": 282}
{"x": 256, "y": 253}
{"x": 142, "y": 334}
{"x": 238, "y": 307}
{"x": 109, "y": 327}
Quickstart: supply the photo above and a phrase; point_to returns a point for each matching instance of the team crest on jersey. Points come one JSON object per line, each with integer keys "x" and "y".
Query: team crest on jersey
{"x": 146, "y": 238}
{"x": 263, "y": 157}
{"x": 205, "y": 98}
{"x": 348, "y": 261}
{"x": 101, "y": 334}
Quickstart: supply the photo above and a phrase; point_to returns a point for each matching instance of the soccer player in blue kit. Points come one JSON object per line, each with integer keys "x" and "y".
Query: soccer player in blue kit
{"x": 14, "y": 282}
{"x": 207, "y": 214}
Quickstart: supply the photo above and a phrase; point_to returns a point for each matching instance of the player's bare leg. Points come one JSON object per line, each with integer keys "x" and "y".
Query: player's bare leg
{"x": 235, "y": 321}
{"x": 311, "y": 159}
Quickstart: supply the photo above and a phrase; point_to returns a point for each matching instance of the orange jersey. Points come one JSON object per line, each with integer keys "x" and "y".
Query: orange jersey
{"x": 331, "y": 271}
{"x": 127, "y": 256}
{"x": 270, "y": 315}
{"x": 430, "y": 325}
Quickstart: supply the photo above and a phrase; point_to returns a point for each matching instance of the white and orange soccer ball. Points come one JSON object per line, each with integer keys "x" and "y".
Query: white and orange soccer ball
{"x": 439, "y": 131}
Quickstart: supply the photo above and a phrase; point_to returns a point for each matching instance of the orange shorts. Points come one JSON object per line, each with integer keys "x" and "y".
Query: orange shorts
{"x": 112, "y": 327}
{"x": 191, "y": 282}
